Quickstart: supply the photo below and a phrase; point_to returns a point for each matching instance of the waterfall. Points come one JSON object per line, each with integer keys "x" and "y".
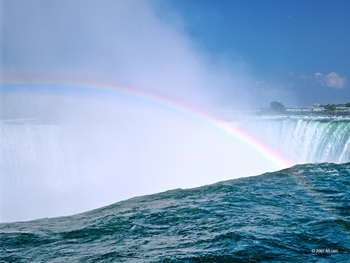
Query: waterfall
{"x": 81, "y": 166}
{"x": 304, "y": 140}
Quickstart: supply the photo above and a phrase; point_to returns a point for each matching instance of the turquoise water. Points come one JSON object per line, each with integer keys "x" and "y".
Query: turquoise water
{"x": 300, "y": 214}
{"x": 304, "y": 140}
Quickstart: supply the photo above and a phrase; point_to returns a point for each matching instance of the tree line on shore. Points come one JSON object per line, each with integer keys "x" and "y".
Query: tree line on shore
{"x": 341, "y": 105}
{"x": 279, "y": 107}
{"x": 275, "y": 106}
{"x": 333, "y": 107}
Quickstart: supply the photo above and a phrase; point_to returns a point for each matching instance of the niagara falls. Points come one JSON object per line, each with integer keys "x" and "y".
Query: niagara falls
{"x": 174, "y": 131}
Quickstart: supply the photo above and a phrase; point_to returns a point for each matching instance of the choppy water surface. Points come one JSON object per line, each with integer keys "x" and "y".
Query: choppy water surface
{"x": 301, "y": 214}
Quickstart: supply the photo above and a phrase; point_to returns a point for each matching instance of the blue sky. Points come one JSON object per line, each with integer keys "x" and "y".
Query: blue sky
{"x": 228, "y": 53}
{"x": 283, "y": 43}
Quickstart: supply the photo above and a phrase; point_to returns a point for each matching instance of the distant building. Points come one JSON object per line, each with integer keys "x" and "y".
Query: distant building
{"x": 316, "y": 105}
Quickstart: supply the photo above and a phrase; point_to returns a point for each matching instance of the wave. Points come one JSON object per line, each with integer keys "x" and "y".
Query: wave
{"x": 301, "y": 212}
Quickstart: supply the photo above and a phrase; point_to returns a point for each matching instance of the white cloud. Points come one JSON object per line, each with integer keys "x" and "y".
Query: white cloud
{"x": 333, "y": 80}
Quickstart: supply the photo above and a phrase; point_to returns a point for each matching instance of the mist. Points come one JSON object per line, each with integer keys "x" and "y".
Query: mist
{"x": 132, "y": 43}
{"x": 66, "y": 150}
{"x": 101, "y": 149}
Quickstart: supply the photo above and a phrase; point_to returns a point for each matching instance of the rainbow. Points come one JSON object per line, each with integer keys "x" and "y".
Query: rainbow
{"x": 225, "y": 127}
